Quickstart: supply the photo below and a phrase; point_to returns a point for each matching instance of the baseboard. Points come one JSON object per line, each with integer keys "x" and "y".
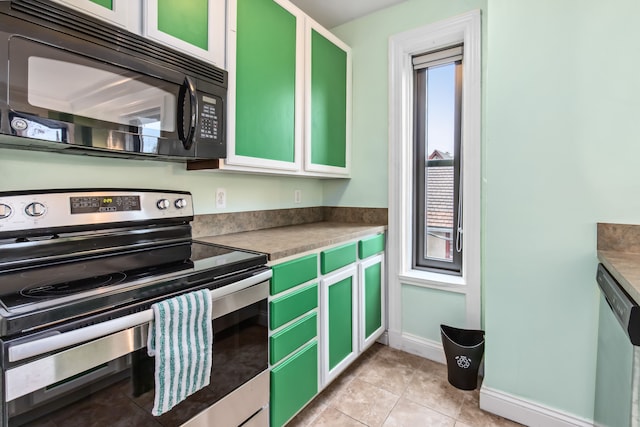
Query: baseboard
{"x": 526, "y": 412}
{"x": 384, "y": 338}
{"x": 417, "y": 345}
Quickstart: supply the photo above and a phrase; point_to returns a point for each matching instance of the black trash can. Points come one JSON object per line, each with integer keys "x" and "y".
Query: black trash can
{"x": 463, "y": 349}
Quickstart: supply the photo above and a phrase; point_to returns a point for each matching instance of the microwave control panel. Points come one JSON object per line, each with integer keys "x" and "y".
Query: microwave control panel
{"x": 210, "y": 118}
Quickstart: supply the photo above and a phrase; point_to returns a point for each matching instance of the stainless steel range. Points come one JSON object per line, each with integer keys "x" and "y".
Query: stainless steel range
{"x": 79, "y": 271}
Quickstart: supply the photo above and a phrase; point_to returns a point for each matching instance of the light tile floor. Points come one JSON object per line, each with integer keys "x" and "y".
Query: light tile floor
{"x": 391, "y": 388}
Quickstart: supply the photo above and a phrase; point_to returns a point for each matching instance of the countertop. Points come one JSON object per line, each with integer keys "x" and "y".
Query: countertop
{"x": 619, "y": 252}
{"x": 283, "y": 242}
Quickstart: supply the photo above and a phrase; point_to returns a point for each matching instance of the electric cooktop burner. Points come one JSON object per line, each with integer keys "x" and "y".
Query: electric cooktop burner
{"x": 34, "y": 288}
{"x": 56, "y": 289}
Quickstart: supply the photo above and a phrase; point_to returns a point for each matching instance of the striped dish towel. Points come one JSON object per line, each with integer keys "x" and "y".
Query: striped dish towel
{"x": 180, "y": 338}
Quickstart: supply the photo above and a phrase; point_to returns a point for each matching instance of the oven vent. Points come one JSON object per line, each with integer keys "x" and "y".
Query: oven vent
{"x": 66, "y": 20}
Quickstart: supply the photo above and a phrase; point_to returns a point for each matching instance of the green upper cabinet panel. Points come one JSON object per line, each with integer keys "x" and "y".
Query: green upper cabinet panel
{"x": 125, "y": 14}
{"x": 328, "y": 102}
{"x": 195, "y": 27}
{"x": 329, "y": 86}
{"x": 185, "y": 20}
{"x": 105, "y": 3}
{"x": 265, "y": 113}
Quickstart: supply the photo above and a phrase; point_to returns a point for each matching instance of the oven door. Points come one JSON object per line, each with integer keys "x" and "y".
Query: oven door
{"x": 110, "y": 380}
{"x": 89, "y": 96}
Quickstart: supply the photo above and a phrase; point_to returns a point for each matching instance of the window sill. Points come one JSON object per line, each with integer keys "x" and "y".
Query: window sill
{"x": 433, "y": 280}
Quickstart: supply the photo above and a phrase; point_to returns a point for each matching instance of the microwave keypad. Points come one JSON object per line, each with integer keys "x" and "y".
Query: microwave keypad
{"x": 209, "y": 121}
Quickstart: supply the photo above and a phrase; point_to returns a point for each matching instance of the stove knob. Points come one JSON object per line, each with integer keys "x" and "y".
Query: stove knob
{"x": 35, "y": 209}
{"x": 5, "y": 211}
{"x": 180, "y": 203}
{"x": 163, "y": 204}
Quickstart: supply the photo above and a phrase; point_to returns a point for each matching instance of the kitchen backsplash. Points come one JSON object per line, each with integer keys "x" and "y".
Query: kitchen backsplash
{"x": 236, "y": 222}
{"x": 619, "y": 237}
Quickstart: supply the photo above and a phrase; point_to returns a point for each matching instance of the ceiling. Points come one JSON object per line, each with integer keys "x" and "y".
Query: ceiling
{"x": 330, "y": 13}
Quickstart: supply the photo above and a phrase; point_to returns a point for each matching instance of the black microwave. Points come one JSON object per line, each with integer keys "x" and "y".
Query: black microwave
{"x": 83, "y": 86}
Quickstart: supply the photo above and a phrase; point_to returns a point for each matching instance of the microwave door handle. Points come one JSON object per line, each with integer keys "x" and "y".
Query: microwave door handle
{"x": 188, "y": 85}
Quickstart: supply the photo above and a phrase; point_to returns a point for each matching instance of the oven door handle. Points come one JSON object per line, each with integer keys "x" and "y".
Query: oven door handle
{"x": 29, "y": 349}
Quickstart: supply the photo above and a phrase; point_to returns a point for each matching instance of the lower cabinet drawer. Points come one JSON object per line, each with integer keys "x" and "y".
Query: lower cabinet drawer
{"x": 371, "y": 246}
{"x": 335, "y": 258}
{"x": 292, "y": 337}
{"x": 286, "y": 308}
{"x": 293, "y": 383}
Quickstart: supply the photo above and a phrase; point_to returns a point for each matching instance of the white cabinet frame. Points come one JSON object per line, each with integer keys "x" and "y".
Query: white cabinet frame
{"x": 308, "y": 164}
{"x": 125, "y": 13}
{"x": 255, "y": 164}
{"x": 327, "y": 281}
{"x": 216, "y": 41}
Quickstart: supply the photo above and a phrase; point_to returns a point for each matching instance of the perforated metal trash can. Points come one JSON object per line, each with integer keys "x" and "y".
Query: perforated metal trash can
{"x": 463, "y": 349}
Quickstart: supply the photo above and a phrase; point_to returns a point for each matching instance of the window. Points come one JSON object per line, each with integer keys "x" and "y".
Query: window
{"x": 403, "y": 273}
{"x": 437, "y": 213}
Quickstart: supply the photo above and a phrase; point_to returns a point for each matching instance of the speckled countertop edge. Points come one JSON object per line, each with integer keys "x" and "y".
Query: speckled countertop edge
{"x": 625, "y": 268}
{"x": 284, "y": 242}
{"x": 619, "y": 252}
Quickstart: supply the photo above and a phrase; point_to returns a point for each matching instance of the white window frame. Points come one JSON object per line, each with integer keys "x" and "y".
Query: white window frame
{"x": 464, "y": 29}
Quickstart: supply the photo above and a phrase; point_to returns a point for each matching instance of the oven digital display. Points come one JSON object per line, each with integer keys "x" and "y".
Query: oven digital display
{"x": 80, "y": 205}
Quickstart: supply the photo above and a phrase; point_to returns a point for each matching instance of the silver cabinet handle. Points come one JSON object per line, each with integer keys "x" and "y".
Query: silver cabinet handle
{"x": 56, "y": 342}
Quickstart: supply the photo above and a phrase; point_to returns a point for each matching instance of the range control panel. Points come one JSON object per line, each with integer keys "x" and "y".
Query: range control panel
{"x": 79, "y": 208}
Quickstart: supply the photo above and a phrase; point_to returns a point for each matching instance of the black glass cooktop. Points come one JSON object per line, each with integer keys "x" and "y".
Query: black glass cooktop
{"x": 68, "y": 289}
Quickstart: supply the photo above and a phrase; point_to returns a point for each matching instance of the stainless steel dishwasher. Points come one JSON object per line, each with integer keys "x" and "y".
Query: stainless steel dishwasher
{"x": 617, "y": 397}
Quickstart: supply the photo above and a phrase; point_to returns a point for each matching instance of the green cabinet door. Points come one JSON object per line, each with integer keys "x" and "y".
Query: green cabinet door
{"x": 265, "y": 91}
{"x": 185, "y": 20}
{"x": 328, "y": 112}
{"x": 372, "y": 300}
{"x": 339, "y": 321}
{"x": 294, "y": 382}
{"x": 104, "y": 3}
{"x": 195, "y": 27}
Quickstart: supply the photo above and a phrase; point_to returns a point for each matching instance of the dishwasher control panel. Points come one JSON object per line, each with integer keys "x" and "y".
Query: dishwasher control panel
{"x": 626, "y": 311}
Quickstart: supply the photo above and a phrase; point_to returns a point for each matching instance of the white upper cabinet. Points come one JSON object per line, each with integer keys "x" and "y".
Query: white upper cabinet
{"x": 121, "y": 13}
{"x": 194, "y": 27}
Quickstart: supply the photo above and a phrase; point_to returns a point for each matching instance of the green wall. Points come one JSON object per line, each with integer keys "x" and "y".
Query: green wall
{"x": 28, "y": 170}
{"x": 561, "y": 99}
{"x": 562, "y": 106}
{"x": 425, "y": 309}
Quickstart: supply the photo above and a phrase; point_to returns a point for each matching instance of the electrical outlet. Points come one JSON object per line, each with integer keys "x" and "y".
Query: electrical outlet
{"x": 221, "y": 198}
{"x": 297, "y": 196}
